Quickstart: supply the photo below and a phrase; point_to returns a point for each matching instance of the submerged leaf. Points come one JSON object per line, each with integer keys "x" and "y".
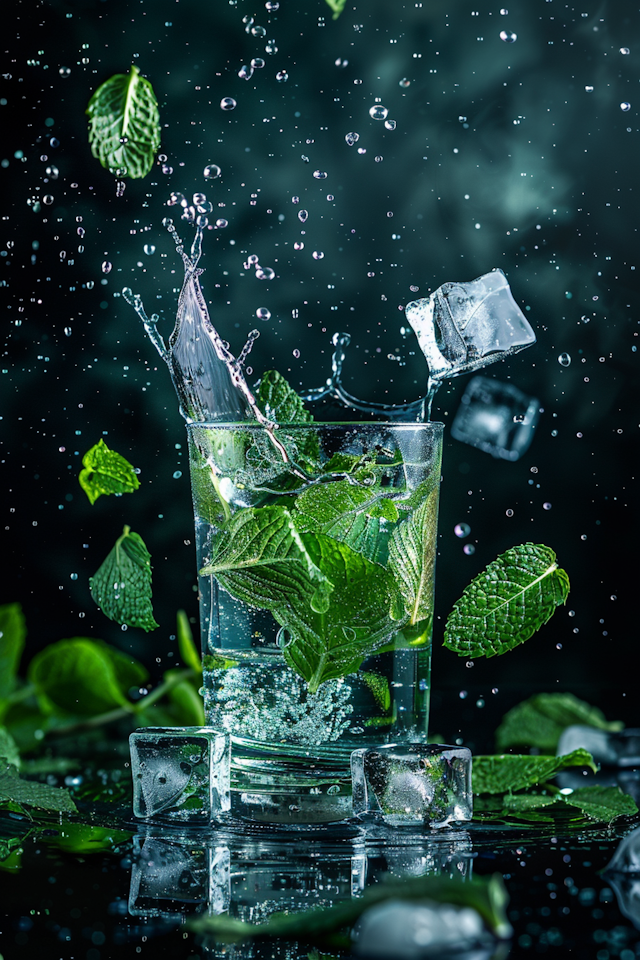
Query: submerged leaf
{"x": 106, "y": 471}
{"x": 507, "y": 602}
{"x": 412, "y": 558}
{"x": 505, "y": 773}
{"x": 122, "y": 585}
{"x": 279, "y": 401}
{"x": 539, "y": 721}
{"x": 124, "y": 124}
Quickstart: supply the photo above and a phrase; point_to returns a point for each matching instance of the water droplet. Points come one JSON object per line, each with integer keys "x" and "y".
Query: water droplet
{"x": 177, "y": 474}
{"x": 74, "y": 576}
{"x": 106, "y": 266}
{"x": 227, "y": 103}
{"x": 265, "y": 273}
{"x": 469, "y": 549}
{"x": 211, "y": 171}
{"x": 546, "y": 506}
{"x": 262, "y": 313}
{"x": 271, "y": 6}
{"x": 296, "y": 353}
{"x": 320, "y": 174}
{"x": 258, "y": 31}
{"x": 378, "y": 112}
{"x": 48, "y": 199}
{"x": 504, "y": 12}
{"x": 585, "y": 319}
{"x": 222, "y": 223}
{"x": 149, "y": 249}
{"x": 298, "y": 245}
{"x": 379, "y": 159}
{"x": 295, "y": 199}
{"x": 317, "y": 254}
{"x": 462, "y": 529}
{"x": 624, "y": 50}
{"x": 67, "y": 331}
{"x": 245, "y": 72}
{"x": 52, "y": 172}
{"x": 588, "y": 89}
{"x": 463, "y": 694}
{"x": 625, "y": 106}
{"x": 404, "y": 82}
{"x": 271, "y": 47}
{"x": 54, "y": 142}
{"x": 257, "y": 63}
{"x": 282, "y": 76}
{"x": 390, "y": 124}
{"x": 509, "y": 512}
{"x": 120, "y": 188}
{"x": 352, "y": 138}
{"x": 564, "y": 359}
{"x": 508, "y": 36}
{"x": 302, "y": 215}
{"x": 65, "y": 71}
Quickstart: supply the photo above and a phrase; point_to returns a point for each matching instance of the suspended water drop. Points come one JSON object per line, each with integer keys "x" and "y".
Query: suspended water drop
{"x": 211, "y": 171}
{"x": 546, "y": 506}
{"x": 106, "y": 266}
{"x": 390, "y": 124}
{"x": 120, "y": 188}
{"x": 317, "y": 254}
{"x": 469, "y": 549}
{"x": 54, "y": 142}
{"x": 282, "y": 76}
{"x": 404, "y": 82}
{"x": 149, "y": 249}
{"x": 295, "y": 199}
{"x": 65, "y": 71}
{"x": 624, "y": 50}
{"x": 258, "y": 31}
{"x": 177, "y": 474}
{"x": 564, "y": 359}
{"x": 462, "y": 529}
{"x": 257, "y": 63}
{"x": 302, "y": 215}
{"x": 166, "y": 169}
{"x": 330, "y": 197}
{"x": 585, "y": 319}
{"x": 222, "y": 223}
{"x": 352, "y": 138}
{"x": 270, "y": 47}
{"x": 227, "y": 103}
{"x": 262, "y": 313}
{"x": 298, "y": 245}
{"x": 265, "y": 273}
{"x": 625, "y": 106}
{"x": 48, "y": 199}
{"x": 52, "y": 172}
{"x": 378, "y": 112}
{"x": 67, "y": 331}
{"x": 588, "y": 89}
{"x": 378, "y": 159}
{"x": 271, "y": 6}
{"x": 504, "y": 12}
{"x": 341, "y": 63}
{"x": 320, "y": 174}
{"x": 296, "y": 354}
{"x": 508, "y": 36}
{"x": 245, "y": 72}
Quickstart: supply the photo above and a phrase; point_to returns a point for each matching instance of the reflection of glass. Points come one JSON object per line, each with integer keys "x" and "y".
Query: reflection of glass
{"x": 317, "y": 602}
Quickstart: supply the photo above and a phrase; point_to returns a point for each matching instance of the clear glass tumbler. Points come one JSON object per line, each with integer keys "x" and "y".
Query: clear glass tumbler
{"x": 316, "y": 552}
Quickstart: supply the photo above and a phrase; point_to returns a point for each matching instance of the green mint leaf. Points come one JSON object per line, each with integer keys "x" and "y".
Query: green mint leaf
{"x": 506, "y": 773}
{"x": 124, "y": 125}
{"x": 9, "y": 753}
{"x": 122, "y": 585}
{"x": 84, "y": 838}
{"x": 84, "y": 677}
{"x": 279, "y": 401}
{"x": 345, "y": 512}
{"x": 186, "y": 706}
{"x": 12, "y": 636}
{"x": 525, "y": 802}
{"x": 507, "y": 603}
{"x": 105, "y": 471}
{"x": 601, "y": 803}
{"x": 412, "y": 557}
{"x": 539, "y": 721}
{"x": 337, "y": 6}
{"x": 15, "y": 790}
{"x": 186, "y": 646}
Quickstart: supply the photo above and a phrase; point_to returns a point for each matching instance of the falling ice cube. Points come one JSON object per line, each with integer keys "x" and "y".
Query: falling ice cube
{"x": 464, "y": 326}
{"x": 496, "y": 417}
{"x": 179, "y": 773}
{"x": 407, "y": 783}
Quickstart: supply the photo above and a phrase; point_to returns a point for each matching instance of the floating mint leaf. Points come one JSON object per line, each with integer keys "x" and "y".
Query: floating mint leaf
{"x": 105, "y": 471}
{"x": 507, "y": 603}
{"x": 15, "y": 790}
{"x": 124, "y": 124}
{"x": 539, "y": 721}
{"x": 345, "y": 512}
{"x": 279, "y": 401}
{"x": 412, "y": 558}
{"x": 12, "y": 636}
{"x": 602, "y": 803}
{"x": 122, "y": 585}
{"x": 505, "y": 773}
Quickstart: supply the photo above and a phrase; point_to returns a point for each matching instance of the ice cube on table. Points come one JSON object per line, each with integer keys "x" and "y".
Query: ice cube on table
{"x": 496, "y": 417}
{"x": 412, "y": 931}
{"x": 619, "y": 749}
{"x": 180, "y": 773}
{"x": 409, "y": 783}
{"x": 463, "y": 326}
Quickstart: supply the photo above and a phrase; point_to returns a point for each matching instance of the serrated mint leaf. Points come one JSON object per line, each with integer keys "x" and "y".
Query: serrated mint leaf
{"x": 602, "y": 803}
{"x": 124, "y": 125}
{"x": 539, "y": 721}
{"x": 105, "y": 471}
{"x": 12, "y": 636}
{"x": 506, "y": 773}
{"x": 346, "y": 512}
{"x": 186, "y": 646}
{"x": 279, "y": 401}
{"x": 83, "y": 676}
{"x": 507, "y": 603}
{"x": 9, "y": 753}
{"x": 15, "y": 790}
{"x": 412, "y": 557}
{"x": 525, "y": 802}
{"x": 122, "y": 585}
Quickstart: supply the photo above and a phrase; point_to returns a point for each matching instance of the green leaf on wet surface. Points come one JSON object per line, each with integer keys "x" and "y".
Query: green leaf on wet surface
{"x": 412, "y": 557}
{"x": 13, "y": 789}
{"x": 12, "y": 636}
{"x": 507, "y": 602}
{"x": 506, "y": 773}
{"x": 599, "y": 803}
{"x": 124, "y": 124}
{"x": 539, "y": 721}
{"x": 105, "y": 471}
{"x": 122, "y": 585}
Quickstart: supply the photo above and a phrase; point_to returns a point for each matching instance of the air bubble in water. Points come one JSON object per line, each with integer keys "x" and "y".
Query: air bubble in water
{"x": 390, "y": 124}
{"x": 298, "y": 245}
{"x": 296, "y": 353}
{"x": 379, "y": 159}
{"x": 625, "y": 106}
{"x": 404, "y": 82}
{"x": 302, "y": 215}
{"x": 257, "y": 63}
{"x": 262, "y": 313}
{"x": 48, "y": 199}
{"x": 504, "y": 12}
{"x": 330, "y": 197}
{"x": 469, "y": 549}
{"x": 265, "y": 273}
{"x": 65, "y": 71}
{"x": 508, "y": 36}
{"x": 320, "y": 174}
{"x": 271, "y": 6}
{"x": 177, "y": 474}
{"x": 211, "y": 171}
{"x": 149, "y": 249}
{"x": 624, "y": 50}
{"x": 54, "y": 142}
{"x": 222, "y": 223}
{"x": 546, "y": 506}
{"x": 120, "y": 188}
{"x": 245, "y": 72}
{"x": 378, "y": 112}
{"x": 462, "y": 529}
{"x": 227, "y": 103}
{"x": 282, "y": 76}
{"x": 317, "y": 254}
{"x": 106, "y": 266}
{"x": 270, "y": 47}
{"x": 258, "y": 31}
{"x": 564, "y": 359}
{"x": 52, "y": 172}
{"x": 352, "y": 138}
{"x": 67, "y": 331}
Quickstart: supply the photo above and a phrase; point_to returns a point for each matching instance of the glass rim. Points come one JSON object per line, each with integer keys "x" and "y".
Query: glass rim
{"x": 254, "y": 425}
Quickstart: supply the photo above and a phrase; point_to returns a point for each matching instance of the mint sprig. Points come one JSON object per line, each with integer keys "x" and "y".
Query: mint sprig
{"x": 124, "y": 124}
{"x": 122, "y": 585}
{"x": 106, "y": 471}
{"x": 507, "y": 603}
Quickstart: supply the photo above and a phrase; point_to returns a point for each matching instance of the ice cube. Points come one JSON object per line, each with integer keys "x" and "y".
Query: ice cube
{"x": 496, "y": 417}
{"x": 464, "y": 326}
{"x": 174, "y": 875}
{"x": 180, "y": 773}
{"x": 407, "y": 783}
{"x": 621, "y": 749}
{"x": 412, "y": 931}
{"x": 623, "y": 876}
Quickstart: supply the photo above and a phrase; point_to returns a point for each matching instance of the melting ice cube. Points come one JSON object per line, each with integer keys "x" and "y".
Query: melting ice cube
{"x": 464, "y": 326}
{"x": 496, "y": 417}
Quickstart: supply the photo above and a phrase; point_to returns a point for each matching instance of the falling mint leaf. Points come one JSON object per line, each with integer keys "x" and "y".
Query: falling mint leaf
{"x": 186, "y": 646}
{"x": 507, "y": 603}
{"x": 337, "y": 6}
{"x": 602, "y": 803}
{"x": 279, "y": 401}
{"x": 12, "y": 636}
{"x": 124, "y": 124}
{"x": 14, "y": 789}
{"x": 539, "y": 721}
{"x": 122, "y": 585}
{"x": 506, "y": 773}
{"x": 412, "y": 557}
{"x": 105, "y": 471}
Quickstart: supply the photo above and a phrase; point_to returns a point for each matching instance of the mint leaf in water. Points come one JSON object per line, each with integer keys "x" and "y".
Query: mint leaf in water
{"x": 507, "y": 603}
{"x": 105, "y": 471}
{"x": 539, "y": 721}
{"x": 122, "y": 585}
{"x": 345, "y": 512}
{"x": 412, "y": 558}
{"x": 507, "y": 772}
{"x": 279, "y": 401}
{"x": 124, "y": 125}
{"x": 12, "y": 636}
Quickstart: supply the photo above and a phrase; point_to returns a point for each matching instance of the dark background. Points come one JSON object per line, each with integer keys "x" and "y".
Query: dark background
{"x": 501, "y": 158}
